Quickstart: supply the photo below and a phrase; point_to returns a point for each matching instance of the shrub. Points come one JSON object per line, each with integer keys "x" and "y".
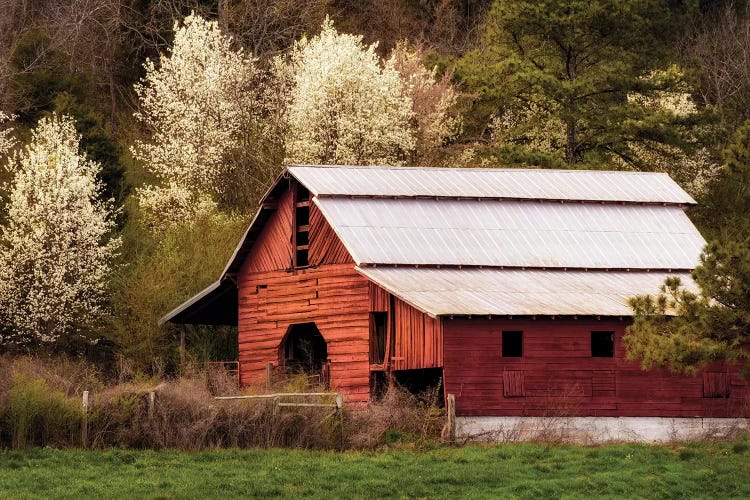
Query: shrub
{"x": 40, "y": 416}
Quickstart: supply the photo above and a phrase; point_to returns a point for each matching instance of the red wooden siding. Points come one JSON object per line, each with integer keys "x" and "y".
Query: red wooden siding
{"x": 272, "y": 297}
{"x": 325, "y": 246}
{"x": 335, "y": 297}
{"x": 560, "y": 376}
{"x": 379, "y": 299}
{"x": 273, "y": 248}
{"x": 418, "y": 339}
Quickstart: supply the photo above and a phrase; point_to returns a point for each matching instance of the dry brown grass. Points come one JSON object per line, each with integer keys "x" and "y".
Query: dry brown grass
{"x": 40, "y": 404}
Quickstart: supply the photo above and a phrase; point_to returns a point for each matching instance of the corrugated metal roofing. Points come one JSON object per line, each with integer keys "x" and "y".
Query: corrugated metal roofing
{"x": 590, "y": 185}
{"x": 441, "y": 292}
{"x": 513, "y": 233}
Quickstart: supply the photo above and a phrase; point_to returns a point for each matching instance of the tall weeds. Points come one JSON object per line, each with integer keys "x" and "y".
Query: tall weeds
{"x": 40, "y": 404}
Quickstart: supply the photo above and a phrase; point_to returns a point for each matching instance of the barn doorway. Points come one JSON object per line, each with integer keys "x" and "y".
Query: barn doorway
{"x": 304, "y": 350}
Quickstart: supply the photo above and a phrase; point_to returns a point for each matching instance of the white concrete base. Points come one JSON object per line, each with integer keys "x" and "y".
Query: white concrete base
{"x": 597, "y": 430}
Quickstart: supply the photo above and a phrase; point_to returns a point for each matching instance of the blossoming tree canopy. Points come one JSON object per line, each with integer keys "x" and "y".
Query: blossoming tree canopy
{"x": 55, "y": 251}
{"x": 345, "y": 108}
{"x": 195, "y": 103}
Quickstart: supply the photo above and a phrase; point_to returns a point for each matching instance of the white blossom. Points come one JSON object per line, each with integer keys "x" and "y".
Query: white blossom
{"x": 198, "y": 104}
{"x": 433, "y": 98}
{"x": 345, "y": 108}
{"x": 163, "y": 208}
{"x": 693, "y": 171}
{"x": 6, "y": 140}
{"x": 55, "y": 254}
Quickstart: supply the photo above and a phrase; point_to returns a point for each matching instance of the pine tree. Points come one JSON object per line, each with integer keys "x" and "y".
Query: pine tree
{"x": 560, "y": 81}
{"x": 715, "y": 324}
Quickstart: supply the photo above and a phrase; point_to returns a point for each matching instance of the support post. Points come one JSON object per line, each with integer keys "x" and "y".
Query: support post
{"x": 451, "y": 425}
{"x": 182, "y": 347}
{"x": 269, "y": 376}
{"x": 85, "y": 424}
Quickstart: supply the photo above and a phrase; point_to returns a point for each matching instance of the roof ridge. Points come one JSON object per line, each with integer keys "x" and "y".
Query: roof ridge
{"x": 477, "y": 169}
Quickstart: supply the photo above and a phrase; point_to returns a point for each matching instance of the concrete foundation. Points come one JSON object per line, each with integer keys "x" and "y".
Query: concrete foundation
{"x": 597, "y": 430}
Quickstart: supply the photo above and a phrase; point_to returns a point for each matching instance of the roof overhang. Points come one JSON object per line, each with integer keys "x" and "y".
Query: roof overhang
{"x": 214, "y": 305}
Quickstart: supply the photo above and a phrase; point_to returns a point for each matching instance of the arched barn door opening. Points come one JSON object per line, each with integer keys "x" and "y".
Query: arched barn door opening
{"x": 304, "y": 350}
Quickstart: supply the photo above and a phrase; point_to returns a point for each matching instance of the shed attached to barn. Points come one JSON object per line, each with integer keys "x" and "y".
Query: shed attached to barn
{"x": 510, "y": 284}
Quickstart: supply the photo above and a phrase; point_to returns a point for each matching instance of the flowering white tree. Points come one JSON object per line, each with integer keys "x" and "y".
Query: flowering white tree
{"x": 436, "y": 120}
{"x": 201, "y": 108}
{"x": 6, "y": 141}
{"x": 55, "y": 251}
{"x": 344, "y": 106}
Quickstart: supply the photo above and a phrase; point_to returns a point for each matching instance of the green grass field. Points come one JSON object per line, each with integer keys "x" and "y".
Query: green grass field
{"x": 518, "y": 470}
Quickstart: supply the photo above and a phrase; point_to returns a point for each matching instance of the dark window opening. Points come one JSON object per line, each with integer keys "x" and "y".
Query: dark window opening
{"x": 303, "y": 194}
{"x": 303, "y": 216}
{"x": 304, "y": 349}
{"x": 602, "y": 344}
{"x": 302, "y": 258}
{"x": 303, "y": 238}
{"x": 512, "y": 344}
{"x": 378, "y": 333}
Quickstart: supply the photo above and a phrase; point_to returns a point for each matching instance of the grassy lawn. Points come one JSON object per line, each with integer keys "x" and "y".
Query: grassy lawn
{"x": 517, "y": 470}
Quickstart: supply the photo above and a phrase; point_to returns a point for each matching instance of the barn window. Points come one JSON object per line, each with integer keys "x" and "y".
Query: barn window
{"x": 602, "y": 344}
{"x": 512, "y": 344}
{"x": 513, "y": 386}
{"x": 715, "y": 385}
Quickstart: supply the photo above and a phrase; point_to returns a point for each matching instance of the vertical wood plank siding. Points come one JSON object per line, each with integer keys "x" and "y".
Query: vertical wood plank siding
{"x": 325, "y": 246}
{"x": 559, "y": 375}
{"x": 273, "y": 248}
{"x": 419, "y": 339}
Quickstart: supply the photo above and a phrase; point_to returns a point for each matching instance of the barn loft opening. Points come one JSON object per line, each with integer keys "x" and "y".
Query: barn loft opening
{"x": 304, "y": 350}
{"x": 302, "y": 226}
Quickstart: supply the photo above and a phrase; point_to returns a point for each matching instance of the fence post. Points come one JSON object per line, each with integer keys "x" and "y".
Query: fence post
{"x": 269, "y": 376}
{"x": 340, "y": 409}
{"x": 151, "y": 402}
{"x": 451, "y": 410}
{"x": 85, "y": 426}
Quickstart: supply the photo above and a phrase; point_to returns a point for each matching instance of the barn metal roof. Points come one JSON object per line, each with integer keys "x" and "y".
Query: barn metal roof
{"x": 514, "y": 183}
{"x": 443, "y": 292}
{"x": 495, "y": 218}
{"x": 513, "y": 233}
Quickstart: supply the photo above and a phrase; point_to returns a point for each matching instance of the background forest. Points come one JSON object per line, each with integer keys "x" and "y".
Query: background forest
{"x": 138, "y": 135}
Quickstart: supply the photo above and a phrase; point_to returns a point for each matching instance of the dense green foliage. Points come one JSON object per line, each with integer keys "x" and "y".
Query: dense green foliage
{"x": 503, "y": 471}
{"x": 715, "y": 324}
{"x": 562, "y": 77}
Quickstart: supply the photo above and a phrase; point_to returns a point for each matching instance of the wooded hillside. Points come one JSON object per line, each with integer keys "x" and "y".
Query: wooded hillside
{"x": 170, "y": 118}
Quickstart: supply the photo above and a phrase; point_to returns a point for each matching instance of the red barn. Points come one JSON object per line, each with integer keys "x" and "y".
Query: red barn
{"x": 510, "y": 284}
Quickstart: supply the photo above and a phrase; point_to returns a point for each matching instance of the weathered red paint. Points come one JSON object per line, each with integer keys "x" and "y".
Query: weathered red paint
{"x": 560, "y": 377}
{"x": 555, "y": 376}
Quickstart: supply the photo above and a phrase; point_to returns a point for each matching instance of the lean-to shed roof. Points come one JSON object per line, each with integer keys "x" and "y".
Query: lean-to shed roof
{"x": 482, "y": 292}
